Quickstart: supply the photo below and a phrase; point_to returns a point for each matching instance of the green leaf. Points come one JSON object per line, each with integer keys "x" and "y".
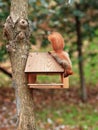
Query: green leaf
{"x": 78, "y": 13}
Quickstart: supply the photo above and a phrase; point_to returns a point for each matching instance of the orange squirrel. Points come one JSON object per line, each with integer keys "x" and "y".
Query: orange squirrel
{"x": 59, "y": 55}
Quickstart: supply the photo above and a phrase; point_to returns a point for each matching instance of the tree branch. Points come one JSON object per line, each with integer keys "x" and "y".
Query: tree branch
{"x": 5, "y": 72}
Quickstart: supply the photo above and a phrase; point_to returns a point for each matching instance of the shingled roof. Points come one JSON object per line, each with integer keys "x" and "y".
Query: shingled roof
{"x": 41, "y": 62}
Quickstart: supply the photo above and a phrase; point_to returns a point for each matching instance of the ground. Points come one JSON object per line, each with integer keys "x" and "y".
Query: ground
{"x": 55, "y": 109}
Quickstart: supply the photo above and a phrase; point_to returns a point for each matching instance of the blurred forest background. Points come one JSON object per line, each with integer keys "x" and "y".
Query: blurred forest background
{"x": 72, "y": 109}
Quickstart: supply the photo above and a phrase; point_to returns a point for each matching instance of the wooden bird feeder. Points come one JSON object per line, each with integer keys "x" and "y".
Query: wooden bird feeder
{"x": 39, "y": 63}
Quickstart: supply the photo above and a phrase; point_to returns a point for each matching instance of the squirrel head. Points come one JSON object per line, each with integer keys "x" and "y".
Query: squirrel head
{"x": 57, "y": 41}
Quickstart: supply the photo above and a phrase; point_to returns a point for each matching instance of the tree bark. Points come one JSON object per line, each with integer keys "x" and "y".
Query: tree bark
{"x": 17, "y": 33}
{"x": 80, "y": 57}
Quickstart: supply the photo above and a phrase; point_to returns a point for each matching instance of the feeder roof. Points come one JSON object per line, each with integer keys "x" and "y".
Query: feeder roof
{"x": 41, "y": 62}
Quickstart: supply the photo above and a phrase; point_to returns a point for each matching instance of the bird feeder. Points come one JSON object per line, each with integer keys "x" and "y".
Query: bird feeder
{"x": 39, "y": 63}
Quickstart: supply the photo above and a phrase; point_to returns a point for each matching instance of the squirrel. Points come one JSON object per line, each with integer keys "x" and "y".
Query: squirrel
{"x": 62, "y": 57}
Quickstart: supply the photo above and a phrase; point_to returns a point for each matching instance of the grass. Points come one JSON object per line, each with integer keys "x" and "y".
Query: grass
{"x": 49, "y": 78}
{"x": 81, "y": 115}
{"x": 4, "y": 80}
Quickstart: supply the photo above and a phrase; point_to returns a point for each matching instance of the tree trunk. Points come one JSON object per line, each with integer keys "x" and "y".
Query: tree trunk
{"x": 17, "y": 32}
{"x": 80, "y": 57}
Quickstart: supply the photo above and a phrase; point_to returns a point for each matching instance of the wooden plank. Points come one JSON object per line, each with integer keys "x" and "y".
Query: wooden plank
{"x": 42, "y": 62}
{"x": 66, "y": 82}
{"x": 32, "y": 78}
{"x": 45, "y": 73}
{"x": 45, "y": 86}
{"x": 50, "y": 86}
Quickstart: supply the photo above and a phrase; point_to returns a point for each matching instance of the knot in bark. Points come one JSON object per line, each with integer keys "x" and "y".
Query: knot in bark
{"x": 23, "y": 24}
{"x": 8, "y": 29}
{"x": 10, "y": 48}
{"x": 21, "y": 35}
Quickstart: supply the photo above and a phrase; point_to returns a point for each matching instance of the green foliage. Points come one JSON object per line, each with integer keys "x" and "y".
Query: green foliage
{"x": 4, "y": 9}
{"x": 4, "y": 12}
{"x": 3, "y": 55}
{"x": 61, "y": 17}
{"x": 78, "y": 13}
{"x": 32, "y": 40}
{"x": 45, "y": 42}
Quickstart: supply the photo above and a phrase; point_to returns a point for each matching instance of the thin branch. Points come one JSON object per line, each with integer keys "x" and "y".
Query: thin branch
{"x": 5, "y": 72}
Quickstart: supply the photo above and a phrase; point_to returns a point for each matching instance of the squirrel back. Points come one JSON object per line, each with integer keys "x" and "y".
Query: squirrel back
{"x": 57, "y": 41}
